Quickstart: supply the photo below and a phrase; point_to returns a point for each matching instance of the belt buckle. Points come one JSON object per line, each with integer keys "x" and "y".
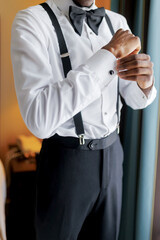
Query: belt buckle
{"x": 81, "y": 139}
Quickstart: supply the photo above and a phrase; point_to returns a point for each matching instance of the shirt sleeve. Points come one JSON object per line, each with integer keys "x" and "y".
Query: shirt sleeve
{"x": 130, "y": 91}
{"x": 46, "y": 104}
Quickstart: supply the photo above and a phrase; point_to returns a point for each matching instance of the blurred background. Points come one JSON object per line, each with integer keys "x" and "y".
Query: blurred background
{"x": 140, "y": 135}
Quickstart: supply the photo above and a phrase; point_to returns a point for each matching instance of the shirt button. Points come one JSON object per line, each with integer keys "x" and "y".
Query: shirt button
{"x": 111, "y": 72}
{"x": 105, "y": 113}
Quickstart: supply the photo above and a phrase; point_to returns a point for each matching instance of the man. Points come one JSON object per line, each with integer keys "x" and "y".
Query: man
{"x": 79, "y": 180}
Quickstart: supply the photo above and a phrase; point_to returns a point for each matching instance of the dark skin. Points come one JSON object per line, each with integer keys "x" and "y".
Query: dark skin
{"x": 83, "y": 3}
{"x": 130, "y": 65}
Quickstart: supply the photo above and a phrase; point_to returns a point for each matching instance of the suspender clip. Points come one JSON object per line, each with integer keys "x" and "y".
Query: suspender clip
{"x": 118, "y": 128}
{"x": 64, "y": 55}
{"x": 81, "y": 139}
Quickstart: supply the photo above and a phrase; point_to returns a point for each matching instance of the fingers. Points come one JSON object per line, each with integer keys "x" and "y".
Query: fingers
{"x": 143, "y": 80}
{"x": 137, "y": 50}
{"x": 123, "y": 43}
{"x": 134, "y": 43}
{"x": 136, "y": 57}
{"x": 122, "y": 32}
{"x": 135, "y": 72}
{"x": 137, "y": 68}
{"x": 134, "y": 64}
{"x": 126, "y": 35}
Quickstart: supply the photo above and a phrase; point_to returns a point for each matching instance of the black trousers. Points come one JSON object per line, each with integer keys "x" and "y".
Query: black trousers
{"x": 79, "y": 192}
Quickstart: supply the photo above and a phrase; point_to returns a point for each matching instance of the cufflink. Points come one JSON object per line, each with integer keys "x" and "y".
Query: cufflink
{"x": 111, "y": 72}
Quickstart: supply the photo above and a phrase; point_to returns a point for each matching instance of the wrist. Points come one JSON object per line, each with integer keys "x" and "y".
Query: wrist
{"x": 110, "y": 49}
{"x": 148, "y": 89}
{"x": 146, "y": 85}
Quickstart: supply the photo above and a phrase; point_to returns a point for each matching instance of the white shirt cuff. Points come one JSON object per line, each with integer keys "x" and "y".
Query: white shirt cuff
{"x": 103, "y": 64}
{"x": 140, "y": 99}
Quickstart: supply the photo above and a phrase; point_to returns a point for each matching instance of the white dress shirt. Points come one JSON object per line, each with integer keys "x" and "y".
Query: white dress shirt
{"x": 48, "y": 101}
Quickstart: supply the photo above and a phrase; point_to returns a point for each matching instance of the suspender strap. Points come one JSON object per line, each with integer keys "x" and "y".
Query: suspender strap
{"x": 118, "y": 94}
{"x": 66, "y": 64}
{"x": 109, "y": 24}
{"x": 117, "y": 108}
{"x": 62, "y": 44}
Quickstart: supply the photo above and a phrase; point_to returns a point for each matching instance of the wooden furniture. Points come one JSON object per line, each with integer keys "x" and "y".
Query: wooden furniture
{"x": 21, "y": 200}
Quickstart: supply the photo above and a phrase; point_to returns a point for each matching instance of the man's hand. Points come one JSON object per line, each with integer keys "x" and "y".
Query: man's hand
{"x": 137, "y": 67}
{"x": 123, "y": 43}
{"x": 131, "y": 65}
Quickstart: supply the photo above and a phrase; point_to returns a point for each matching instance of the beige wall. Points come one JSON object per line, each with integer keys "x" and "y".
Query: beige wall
{"x": 11, "y": 123}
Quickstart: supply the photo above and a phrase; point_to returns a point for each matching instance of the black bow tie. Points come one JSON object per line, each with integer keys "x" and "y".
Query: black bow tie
{"x": 93, "y": 18}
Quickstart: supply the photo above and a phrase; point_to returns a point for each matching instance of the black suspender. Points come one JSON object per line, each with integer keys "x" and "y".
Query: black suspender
{"x": 62, "y": 44}
{"x": 64, "y": 54}
{"x": 118, "y": 94}
{"x": 109, "y": 24}
{"x": 66, "y": 65}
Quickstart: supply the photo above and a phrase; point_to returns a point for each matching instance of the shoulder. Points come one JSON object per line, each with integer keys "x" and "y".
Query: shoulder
{"x": 33, "y": 11}
{"x": 30, "y": 20}
{"x": 32, "y": 15}
{"x": 118, "y": 20}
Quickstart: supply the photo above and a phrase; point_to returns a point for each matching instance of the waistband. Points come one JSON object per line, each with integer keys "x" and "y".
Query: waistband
{"x": 90, "y": 144}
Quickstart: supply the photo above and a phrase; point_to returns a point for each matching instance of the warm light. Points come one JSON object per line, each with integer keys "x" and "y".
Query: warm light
{"x": 11, "y": 123}
{"x": 103, "y": 3}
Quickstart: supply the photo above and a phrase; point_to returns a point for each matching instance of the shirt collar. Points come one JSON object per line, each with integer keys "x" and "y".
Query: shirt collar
{"x": 63, "y": 5}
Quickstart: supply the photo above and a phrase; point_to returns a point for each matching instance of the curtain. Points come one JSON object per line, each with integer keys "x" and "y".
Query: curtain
{"x": 148, "y": 156}
{"x": 156, "y": 216}
{"x": 139, "y": 129}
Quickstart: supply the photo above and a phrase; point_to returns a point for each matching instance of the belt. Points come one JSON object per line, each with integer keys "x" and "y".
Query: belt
{"x": 90, "y": 144}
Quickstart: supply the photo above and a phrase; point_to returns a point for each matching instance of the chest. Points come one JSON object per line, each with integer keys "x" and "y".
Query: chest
{"x": 80, "y": 48}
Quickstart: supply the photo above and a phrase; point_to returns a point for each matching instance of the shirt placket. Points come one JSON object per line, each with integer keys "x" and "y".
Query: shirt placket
{"x": 104, "y": 115}
{"x": 93, "y": 38}
{"x": 95, "y": 45}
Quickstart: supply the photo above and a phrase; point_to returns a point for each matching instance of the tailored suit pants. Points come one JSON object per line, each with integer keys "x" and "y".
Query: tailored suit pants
{"x": 78, "y": 192}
